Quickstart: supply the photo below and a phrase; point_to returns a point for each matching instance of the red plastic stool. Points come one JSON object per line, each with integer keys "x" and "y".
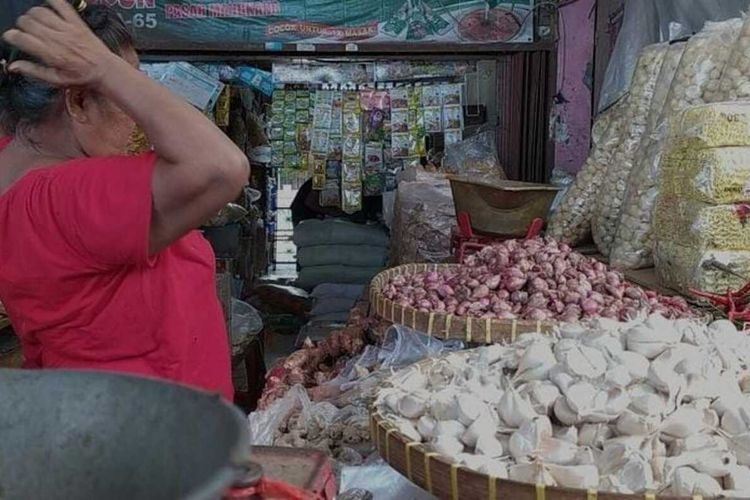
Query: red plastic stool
{"x": 464, "y": 239}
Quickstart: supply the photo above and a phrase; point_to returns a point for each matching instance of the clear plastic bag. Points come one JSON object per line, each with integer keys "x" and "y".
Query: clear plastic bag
{"x": 475, "y": 156}
{"x": 571, "y": 222}
{"x": 612, "y": 193}
{"x": 564, "y": 180}
{"x": 246, "y": 322}
{"x": 381, "y": 480}
{"x": 424, "y": 215}
{"x": 403, "y": 346}
{"x": 264, "y": 424}
{"x": 632, "y": 246}
{"x": 649, "y": 21}
{"x": 700, "y": 63}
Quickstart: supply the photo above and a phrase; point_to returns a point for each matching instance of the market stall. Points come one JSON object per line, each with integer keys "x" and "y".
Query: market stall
{"x": 603, "y": 377}
{"x": 459, "y": 324}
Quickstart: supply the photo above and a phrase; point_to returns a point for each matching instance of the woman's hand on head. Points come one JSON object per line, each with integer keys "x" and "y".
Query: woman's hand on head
{"x": 70, "y": 54}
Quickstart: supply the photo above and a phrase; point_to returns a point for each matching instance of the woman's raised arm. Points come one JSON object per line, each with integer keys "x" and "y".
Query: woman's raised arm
{"x": 198, "y": 168}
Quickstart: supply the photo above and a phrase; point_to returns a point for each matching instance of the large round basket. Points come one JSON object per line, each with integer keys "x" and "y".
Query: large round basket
{"x": 447, "y": 326}
{"x": 447, "y": 480}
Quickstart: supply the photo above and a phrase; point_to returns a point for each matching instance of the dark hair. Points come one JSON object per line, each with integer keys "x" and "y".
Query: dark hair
{"x": 25, "y": 102}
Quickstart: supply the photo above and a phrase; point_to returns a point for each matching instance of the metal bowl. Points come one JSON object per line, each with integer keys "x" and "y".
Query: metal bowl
{"x": 83, "y": 435}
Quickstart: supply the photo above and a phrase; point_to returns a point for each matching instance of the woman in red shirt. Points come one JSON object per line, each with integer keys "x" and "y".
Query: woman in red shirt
{"x": 100, "y": 266}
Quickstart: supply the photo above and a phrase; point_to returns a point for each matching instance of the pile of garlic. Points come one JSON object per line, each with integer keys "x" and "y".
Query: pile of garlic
{"x": 612, "y": 193}
{"x": 571, "y": 222}
{"x": 652, "y": 405}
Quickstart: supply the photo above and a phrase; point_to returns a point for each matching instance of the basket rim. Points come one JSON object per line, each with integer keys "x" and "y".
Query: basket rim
{"x": 471, "y": 329}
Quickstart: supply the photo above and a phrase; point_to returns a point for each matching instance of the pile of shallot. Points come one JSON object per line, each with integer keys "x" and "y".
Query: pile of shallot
{"x": 650, "y": 405}
{"x": 317, "y": 362}
{"x": 538, "y": 279}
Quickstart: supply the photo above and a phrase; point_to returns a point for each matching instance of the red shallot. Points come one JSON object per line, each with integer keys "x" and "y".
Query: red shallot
{"x": 530, "y": 279}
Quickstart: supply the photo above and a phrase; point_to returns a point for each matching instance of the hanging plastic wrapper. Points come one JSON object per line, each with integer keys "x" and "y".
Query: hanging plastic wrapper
{"x": 612, "y": 193}
{"x": 318, "y": 167}
{"x": 374, "y": 171}
{"x": 571, "y": 222}
{"x": 699, "y": 67}
{"x": 376, "y": 110}
{"x": 352, "y": 150}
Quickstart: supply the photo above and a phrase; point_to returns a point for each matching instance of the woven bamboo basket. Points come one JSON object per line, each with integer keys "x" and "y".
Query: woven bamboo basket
{"x": 447, "y": 326}
{"x": 444, "y": 479}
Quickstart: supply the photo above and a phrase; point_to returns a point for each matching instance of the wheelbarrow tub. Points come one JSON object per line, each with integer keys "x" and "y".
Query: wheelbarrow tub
{"x": 502, "y": 208}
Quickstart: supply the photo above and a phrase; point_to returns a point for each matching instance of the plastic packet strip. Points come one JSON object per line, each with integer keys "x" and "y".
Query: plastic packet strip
{"x": 612, "y": 193}
{"x": 351, "y": 198}
{"x": 694, "y": 223}
{"x": 684, "y": 268}
{"x": 571, "y": 222}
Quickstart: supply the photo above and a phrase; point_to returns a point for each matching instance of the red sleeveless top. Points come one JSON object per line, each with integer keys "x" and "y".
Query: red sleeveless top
{"x": 82, "y": 291}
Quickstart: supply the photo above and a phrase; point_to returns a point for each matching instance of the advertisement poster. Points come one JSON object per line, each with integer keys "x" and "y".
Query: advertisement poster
{"x": 326, "y": 21}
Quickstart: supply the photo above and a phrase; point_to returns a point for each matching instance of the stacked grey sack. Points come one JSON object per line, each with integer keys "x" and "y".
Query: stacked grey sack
{"x": 339, "y": 252}
{"x": 332, "y": 304}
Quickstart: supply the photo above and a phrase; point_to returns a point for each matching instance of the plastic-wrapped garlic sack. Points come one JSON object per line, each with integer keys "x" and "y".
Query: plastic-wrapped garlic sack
{"x": 685, "y": 267}
{"x": 717, "y": 125}
{"x": 697, "y": 224}
{"x": 632, "y": 246}
{"x": 571, "y": 222}
{"x": 734, "y": 84}
{"x": 703, "y": 60}
{"x": 612, "y": 193}
{"x": 714, "y": 175}
{"x": 681, "y": 426}
{"x": 699, "y": 68}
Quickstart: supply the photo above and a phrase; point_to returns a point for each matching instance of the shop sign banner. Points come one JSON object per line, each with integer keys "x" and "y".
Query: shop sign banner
{"x": 220, "y": 22}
